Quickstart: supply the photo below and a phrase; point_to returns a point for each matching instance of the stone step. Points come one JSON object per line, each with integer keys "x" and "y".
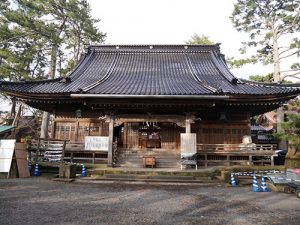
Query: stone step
{"x": 136, "y": 165}
{"x": 141, "y": 155}
{"x": 161, "y": 179}
{"x": 134, "y": 176}
{"x": 148, "y": 152}
{"x": 139, "y": 165}
{"x": 165, "y": 158}
{"x": 200, "y": 173}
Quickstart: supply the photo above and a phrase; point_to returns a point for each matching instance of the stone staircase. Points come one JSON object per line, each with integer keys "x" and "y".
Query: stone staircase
{"x": 133, "y": 158}
{"x": 163, "y": 175}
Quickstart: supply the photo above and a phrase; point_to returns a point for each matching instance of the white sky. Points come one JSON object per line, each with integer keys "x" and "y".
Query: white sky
{"x": 172, "y": 22}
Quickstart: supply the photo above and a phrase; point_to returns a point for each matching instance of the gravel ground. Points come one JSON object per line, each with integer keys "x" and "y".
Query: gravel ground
{"x": 43, "y": 201}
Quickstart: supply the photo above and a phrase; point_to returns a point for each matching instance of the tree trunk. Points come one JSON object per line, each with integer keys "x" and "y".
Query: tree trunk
{"x": 44, "y": 125}
{"x": 17, "y": 115}
{"x": 51, "y": 75}
{"x": 12, "y": 110}
{"x": 276, "y": 76}
{"x": 292, "y": 159}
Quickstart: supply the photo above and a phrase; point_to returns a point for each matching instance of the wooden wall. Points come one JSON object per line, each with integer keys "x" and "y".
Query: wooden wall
{"x": 221, "y": 132}
{"x": 208, "y": 132}
{"x": 132, "y": 135}
{"x": 170, "y": 135}
{"x": 76, "y": 129}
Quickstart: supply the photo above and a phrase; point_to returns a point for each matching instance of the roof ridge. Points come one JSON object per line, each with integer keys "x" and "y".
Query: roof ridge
{"x": 81, "y": 65}
{"x": 195, "y": 76}
{"x": 155, "y": 47}
{"x": 223, "y": 69}
{"x": 105, "y": 77}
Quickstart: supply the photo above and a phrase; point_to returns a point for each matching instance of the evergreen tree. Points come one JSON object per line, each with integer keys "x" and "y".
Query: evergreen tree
{"x": 44, "y": 37}
{"x": 196, "y": 39}
{"x": 274, "y": 28}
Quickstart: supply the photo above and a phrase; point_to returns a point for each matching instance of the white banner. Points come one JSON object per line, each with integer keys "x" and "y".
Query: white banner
{"x": 188, "y": 143}
{"x": 6, "y": 153}
{"x": 96, "y": 143}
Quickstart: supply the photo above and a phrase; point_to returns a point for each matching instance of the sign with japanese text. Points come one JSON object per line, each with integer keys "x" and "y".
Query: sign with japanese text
{"x": 96, "y": 143}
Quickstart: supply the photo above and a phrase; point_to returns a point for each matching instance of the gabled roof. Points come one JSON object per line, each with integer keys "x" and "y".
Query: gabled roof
{"x": 154, "y": 70}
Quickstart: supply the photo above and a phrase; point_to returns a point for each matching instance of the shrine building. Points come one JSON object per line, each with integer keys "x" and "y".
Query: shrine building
{"x": 142, "y": 98}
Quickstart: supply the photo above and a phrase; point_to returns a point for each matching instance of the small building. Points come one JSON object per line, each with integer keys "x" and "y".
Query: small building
{"x": 144, "y": 97}
{"x": 5, "y": 131}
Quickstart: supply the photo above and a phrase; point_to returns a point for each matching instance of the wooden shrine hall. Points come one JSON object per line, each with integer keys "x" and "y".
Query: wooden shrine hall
{"x": 146, "y": 100}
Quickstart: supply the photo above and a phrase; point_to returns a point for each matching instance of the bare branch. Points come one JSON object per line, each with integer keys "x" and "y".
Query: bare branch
{"x": 286, "y": 50}
{"x": 294, "y": 75}
{"x": 294, "y": 53}
{"x": 285, "y": 71}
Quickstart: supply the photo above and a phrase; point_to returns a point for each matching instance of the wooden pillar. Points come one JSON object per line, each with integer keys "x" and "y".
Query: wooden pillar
{"x": 94, "y": 160}
{"x": 187, "y": 126}
{"x": 228, "y": 160}
{"x": 76, "y": 130}
{"x": 72, "y": 157}
{"x": 250, "y": 160}
{"x": 125, "y": 135}
{"x": 110, "y": 141}
{"x": 272, "y": 160}
{"x": 53, "y": 126}
{"x": 62, "y": 168}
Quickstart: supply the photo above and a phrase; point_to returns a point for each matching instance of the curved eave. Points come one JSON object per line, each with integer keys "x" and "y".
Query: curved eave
{"x": 226, "y": 97}
{"x": 34, "y": 96}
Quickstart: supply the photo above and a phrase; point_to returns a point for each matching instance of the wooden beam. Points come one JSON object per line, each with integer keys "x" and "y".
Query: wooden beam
{"x": 110, "y": 141}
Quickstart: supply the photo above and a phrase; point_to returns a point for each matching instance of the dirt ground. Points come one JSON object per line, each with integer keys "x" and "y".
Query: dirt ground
{"x": 43, "y": 201}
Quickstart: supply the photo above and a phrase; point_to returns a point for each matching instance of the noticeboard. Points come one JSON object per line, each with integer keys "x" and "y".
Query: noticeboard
{"x": 96, "y": 143}
{"x": 6, "y": 154}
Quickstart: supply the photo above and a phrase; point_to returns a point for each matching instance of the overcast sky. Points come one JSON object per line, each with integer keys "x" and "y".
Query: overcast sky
{"x": 171, "y": 22}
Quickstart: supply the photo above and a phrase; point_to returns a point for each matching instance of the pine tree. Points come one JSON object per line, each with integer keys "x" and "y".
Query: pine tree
{"x": 37, "y": 37}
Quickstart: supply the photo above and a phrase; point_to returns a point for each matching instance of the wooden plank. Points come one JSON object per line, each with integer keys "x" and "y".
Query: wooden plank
{"x": 21, "y": 158}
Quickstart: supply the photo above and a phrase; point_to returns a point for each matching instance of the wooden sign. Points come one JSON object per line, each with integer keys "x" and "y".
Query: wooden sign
{"x": 6, "y": 154}
{"x": 96, "y": 143}
{"x": 188, "y": 143}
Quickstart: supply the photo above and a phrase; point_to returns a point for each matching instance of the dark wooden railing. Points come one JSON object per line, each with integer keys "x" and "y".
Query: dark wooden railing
{"x": 235, "y": 147}
{"x": 73, "y": 152}
{"x": 231, "y": 154}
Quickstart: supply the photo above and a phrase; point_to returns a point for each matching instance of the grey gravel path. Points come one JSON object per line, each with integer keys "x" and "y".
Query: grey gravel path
{"x": 42, "y": 201}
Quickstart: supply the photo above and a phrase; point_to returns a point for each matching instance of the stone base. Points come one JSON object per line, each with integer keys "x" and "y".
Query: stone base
{"x": 67, "y": 171}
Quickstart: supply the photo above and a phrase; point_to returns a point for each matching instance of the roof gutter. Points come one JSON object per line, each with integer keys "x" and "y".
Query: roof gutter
{"x": 150, "y": 96}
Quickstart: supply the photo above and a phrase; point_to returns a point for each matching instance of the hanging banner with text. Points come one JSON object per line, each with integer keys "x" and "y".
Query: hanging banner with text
{"x": 96, "y": 143}
{"x": 6, "y": 154}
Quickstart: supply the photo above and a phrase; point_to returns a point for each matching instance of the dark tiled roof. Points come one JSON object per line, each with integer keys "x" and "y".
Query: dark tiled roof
{"x": 151, "y": 70}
